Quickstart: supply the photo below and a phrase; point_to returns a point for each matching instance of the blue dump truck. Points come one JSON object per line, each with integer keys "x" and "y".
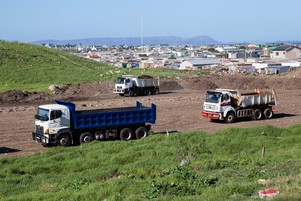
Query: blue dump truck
{"x": 63, "y": 125}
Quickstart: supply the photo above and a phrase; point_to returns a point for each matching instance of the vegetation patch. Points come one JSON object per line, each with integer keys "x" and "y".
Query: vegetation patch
{"x": 226, "y": 165}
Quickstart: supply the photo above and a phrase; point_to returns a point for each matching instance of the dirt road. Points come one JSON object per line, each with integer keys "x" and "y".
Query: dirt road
{"x": 176, "y": 110}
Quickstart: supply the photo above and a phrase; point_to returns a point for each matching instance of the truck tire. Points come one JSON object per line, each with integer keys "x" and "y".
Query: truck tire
{"x": 268, "y": 113}
{"x": 86, "y": 138}
{"x": 131, "y": 93}
{"x": 230, "y": 118}
{"x": 126, "y": 134}
{"x": 141, "y": 132}
{"x": 64, "y": 140}
{"x": 257, "y": 114}
{"x": 155, "y": 91}
{"x": 147, "y": 92}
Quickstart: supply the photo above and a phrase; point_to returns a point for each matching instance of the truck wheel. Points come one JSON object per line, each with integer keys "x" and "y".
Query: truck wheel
{"x": 257, "y": 114}
{"x": 147, "y": 92}
{"x": 126, "y": 134}
{"x": 64, "y": 140}
{"x": 155, "y": 91}
{"x": 141, "y": 132}
{"x": 131, "y": 93}
{"x": 86, "y": 137}
{"x": 230, "y": 118}
{"x": 121, "y": 94}
{"x": 268, "y": 113}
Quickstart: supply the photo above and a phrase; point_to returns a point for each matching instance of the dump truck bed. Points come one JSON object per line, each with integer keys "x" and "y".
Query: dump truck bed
{"x": 111, "y": 116}
{"x": 148, "y": 82}
{"x": 257, "y": 98}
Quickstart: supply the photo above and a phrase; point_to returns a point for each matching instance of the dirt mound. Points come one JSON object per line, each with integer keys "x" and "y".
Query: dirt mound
{"x": 18, "y": 96}
{"x": 170, "y": 85}
{"x": 93, "y": 89}
{"x": 243, "y": 83}
{"x": 12, "y": 96}
{"x": 198, "y": 83}
{"x": 294, "y": 72}
{"x": 261, "y": 82}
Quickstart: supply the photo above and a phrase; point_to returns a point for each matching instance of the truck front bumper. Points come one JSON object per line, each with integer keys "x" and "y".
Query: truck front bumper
{"x": 117, "y": 91}
{"x": 40, "y": 138}
{"x": 121, "y": 91}
{"x": 211, "y": 115}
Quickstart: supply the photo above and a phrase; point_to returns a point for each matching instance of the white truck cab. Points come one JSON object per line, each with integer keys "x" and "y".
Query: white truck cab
{"x": 218, "y": 103}
{"x": 123, "y": 84}
{"x": 49, "y": 120}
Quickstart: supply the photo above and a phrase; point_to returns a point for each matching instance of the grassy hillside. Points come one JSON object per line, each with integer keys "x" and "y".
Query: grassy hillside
{"x": 223, "y": 166}
{"x": 34, "y": 68}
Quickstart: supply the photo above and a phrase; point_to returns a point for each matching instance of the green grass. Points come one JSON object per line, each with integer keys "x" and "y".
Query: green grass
{"x": 222, "y": 166}
{"x": 30, "y": 67}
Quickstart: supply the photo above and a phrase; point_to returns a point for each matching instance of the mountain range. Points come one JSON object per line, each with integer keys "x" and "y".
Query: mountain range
{"x": 135, "y": 41}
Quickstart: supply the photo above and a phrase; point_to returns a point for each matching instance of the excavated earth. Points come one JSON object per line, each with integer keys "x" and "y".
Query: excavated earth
{"x": 179, "y": 105}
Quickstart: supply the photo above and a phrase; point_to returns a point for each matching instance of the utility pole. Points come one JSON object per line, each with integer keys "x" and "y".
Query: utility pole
{"x": 141, "y": 29}
{"x": 245, "y": 60}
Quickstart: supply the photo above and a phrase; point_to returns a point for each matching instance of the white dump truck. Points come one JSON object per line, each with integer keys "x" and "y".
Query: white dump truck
{"x": 229, "y": 104}
{"x": 137, "y": 85}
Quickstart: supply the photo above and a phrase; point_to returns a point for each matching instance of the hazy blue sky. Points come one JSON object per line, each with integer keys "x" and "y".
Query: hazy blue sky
{"x": 223, "y": 20}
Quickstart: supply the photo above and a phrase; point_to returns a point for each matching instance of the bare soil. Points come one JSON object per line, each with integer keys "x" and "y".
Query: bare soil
{"x": 179, "y": 106}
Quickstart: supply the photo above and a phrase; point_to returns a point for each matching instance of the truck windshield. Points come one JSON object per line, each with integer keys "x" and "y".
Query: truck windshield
{"x": 42, "y": 114}
{"x": 120, "y": 80}
{"x": 212, "y": 97}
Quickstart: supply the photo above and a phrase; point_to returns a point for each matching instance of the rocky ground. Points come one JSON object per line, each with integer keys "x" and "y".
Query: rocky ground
{"x": 179, "y": 105}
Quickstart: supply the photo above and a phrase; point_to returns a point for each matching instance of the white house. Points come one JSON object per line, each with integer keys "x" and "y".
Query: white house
{"x": 196, "y": 64}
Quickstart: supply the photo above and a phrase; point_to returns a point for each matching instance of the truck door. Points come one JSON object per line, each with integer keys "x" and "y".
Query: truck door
{"x": 59, "y": 119}
{"x": 225, "y": 101}
{"x": 54, "y": 121}
{"x": 128, "y": 83}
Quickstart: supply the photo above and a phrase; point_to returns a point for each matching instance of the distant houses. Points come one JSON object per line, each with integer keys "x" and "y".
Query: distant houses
{"x": 253, "y": 59}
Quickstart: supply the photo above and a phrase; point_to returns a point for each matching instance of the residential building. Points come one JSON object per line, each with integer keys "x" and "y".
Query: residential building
{"x": 285, "y": 52}
{"x": 197, "y": 64}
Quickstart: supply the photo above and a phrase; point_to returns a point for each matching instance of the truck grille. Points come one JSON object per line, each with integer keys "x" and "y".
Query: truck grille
{"x": 39, "y": 129}
{"x": 118, "y": 89}
{"x": 211, "y": 107}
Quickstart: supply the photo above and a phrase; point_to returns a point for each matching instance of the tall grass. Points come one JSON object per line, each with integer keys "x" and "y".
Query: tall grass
{"x": 30, "y": 67}
{"x": 181, "y": 166}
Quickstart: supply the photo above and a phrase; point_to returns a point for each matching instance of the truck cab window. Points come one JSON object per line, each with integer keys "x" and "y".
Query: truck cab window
{"x": 120, "y": 80}
{"x": 212, "y": 97}
{"x": 42, "y": 114}
{"x": 55, "y": 114}
{"x": 225, "y": 97}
